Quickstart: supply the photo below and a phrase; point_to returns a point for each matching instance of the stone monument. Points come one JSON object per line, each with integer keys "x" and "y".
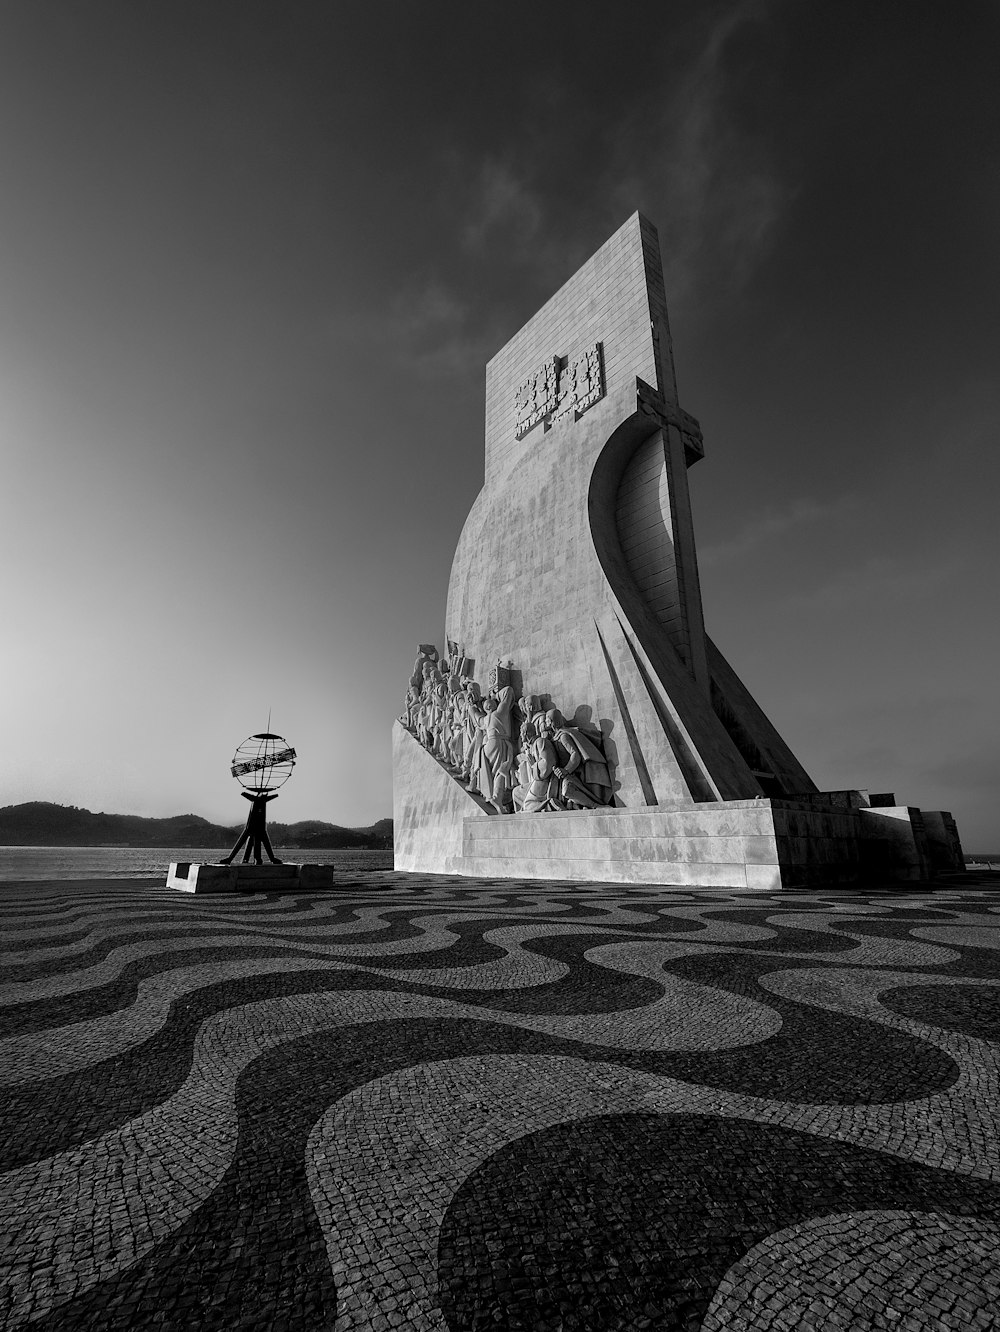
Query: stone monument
{"x": 581, "y": 724}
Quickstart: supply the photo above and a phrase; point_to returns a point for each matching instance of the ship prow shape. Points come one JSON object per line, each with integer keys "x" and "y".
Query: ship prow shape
{"x": 575, "y": 585}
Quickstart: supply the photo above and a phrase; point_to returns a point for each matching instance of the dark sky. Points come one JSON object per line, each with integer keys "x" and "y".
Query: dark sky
{"x": 255, "y": 256}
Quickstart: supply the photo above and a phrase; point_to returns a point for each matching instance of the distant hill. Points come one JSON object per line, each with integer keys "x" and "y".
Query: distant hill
{"x": 313, "y": 835}
{"x": 40, "y": 823}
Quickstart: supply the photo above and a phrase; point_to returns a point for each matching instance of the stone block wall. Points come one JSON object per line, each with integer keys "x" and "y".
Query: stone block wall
{"x": 944, "y": 848}
{"x": 815, "y": 845}
{"x": 606, "y": 301}
{"x": 890, "y": 848}
{"x": 731, "y": 845}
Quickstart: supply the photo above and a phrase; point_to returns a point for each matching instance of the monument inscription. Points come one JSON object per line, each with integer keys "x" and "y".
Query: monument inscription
{"x": 558, "y": 387}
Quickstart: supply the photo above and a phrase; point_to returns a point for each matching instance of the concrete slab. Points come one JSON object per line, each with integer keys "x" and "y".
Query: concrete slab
{"x": 194, "y": 878}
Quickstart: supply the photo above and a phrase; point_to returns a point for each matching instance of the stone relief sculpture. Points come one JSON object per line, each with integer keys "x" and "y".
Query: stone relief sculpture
{"x": 496, "y": 758}
{"x": 582, "y": 770}
{"x": 518, "y": 755}
{"x": 411, "y": 705}
{"x": 442, "y": 722}
{"x": 427, "y": 654}
{"x": 456, "y": 725}
{"x": 473, "y": 740}
{"x": 537, "y": 790}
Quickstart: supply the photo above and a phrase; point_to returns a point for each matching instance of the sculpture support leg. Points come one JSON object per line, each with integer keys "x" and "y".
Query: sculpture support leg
{"x": 232, "y": 855}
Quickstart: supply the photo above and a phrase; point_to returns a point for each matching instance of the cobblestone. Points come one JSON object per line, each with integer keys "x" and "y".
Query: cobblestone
{"x": 420, "y": 1103}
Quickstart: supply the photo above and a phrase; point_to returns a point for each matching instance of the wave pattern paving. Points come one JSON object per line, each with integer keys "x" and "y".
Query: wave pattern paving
{"x": 410, "y": 1103}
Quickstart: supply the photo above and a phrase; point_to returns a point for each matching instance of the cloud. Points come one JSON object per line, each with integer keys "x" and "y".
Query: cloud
{"x": 886, "y": 579}
{"x": 573, "y": 169}
{"x": 698, "y": 168}
{"x": 511, "y": 209}
{"x": 521, "y": 217}
{"x": 774, "y": 524}
{"x": 425, "y": 311}
{"x": 425, "y": 332}
{"x": 503, "y": 203}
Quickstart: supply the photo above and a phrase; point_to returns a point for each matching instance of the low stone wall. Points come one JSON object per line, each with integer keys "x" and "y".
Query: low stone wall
{"x": 188, "y": 877}
{"x": 725, "y": 845}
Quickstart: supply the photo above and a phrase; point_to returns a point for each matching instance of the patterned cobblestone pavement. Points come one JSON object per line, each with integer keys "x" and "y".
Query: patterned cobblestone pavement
{"x": 429, "y": 1103}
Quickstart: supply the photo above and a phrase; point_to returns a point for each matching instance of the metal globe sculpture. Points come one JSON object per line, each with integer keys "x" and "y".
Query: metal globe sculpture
{"x": 263, "y": 762}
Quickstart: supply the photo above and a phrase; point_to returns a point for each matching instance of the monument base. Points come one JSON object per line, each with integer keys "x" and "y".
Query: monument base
{"x": 764, "y": 844}
{"x": 192, "y": 878}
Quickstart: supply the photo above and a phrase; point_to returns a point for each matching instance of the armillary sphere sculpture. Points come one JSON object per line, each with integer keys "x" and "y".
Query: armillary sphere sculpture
{"x": 262, "y": 763}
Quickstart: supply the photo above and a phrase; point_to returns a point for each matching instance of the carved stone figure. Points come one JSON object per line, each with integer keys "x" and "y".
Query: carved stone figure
{"x": 459, "y": 707}
{"x": 410, "y": 706}
{"x": 496, "y": 758}
{"x": 433, "y": 712}
{"x": 474, "y": 713}
{"x": 537, "y": 790}
{"x": 458, "y": 663}
{"x": 424, "y": 718}
{"x": 442, "y": 731}
{"x": 582, "y": 769}
{"x": 532, "y": 710}
{"x": 427, "y": 653}
{"x": 558, "y": 766}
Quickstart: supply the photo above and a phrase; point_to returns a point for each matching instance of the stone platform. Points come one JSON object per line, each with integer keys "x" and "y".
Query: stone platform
{"x": 762, "y": 844}
{"x": 192, "y": 878}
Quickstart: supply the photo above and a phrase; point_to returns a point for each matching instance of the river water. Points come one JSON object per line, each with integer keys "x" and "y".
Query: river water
{"x": 133, "y": 862}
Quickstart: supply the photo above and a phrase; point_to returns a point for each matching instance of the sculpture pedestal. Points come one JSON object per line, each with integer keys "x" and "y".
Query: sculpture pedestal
{"x": 192, "y": 878}
{"x": 763, "y": 844}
